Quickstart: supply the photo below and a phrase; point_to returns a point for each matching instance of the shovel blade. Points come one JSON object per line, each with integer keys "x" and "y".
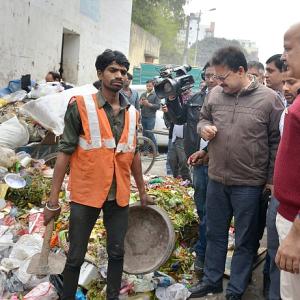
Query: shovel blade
{"x": 56, "y": 264}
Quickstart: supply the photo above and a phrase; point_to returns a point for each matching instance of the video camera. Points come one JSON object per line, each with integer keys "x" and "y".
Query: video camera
{"x": 167, "y": 84}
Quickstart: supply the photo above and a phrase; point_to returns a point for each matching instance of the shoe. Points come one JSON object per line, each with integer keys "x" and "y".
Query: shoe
{"x": 199, "y": 264}
{"x": 233, "y": 297}
{"x": 201, "y": 289}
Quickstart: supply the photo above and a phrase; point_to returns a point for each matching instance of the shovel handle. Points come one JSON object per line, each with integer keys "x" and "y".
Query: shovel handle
{"x": 46, "y": 244}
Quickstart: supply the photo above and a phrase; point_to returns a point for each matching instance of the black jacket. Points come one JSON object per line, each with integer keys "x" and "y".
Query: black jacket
{"x": 188, "y": 114}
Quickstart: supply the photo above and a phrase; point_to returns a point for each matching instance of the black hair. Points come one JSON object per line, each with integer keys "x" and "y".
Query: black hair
{"x": 207, "y": 65}
{"x": 55, "y": 76}
{"x": 232, "y": 57}
{"x": 277, "y": 61}
{"x": 150, "y": 81}
{"x": 108, "y": 57}
{"x": 256, "y": 64}
{"x": 129, "y": 76}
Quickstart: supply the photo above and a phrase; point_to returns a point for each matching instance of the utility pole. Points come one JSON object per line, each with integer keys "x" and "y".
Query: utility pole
{"x": 197, "y": 37}
{"x": 186, "y": 43}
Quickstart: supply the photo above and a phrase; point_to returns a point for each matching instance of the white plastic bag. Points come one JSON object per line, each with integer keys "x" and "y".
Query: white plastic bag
{"x": 23, "y": 250}
{"x": 16, "y": 96}
{"x": 44, "y": 89}
{"x": 49, "y": 111}
{"x": 27, "y": 246}
{"x": 44, "y": 290}
{"x": 176, "y": 291}
{"x": 7, "y": 157}
{"x": 13, "y": 134}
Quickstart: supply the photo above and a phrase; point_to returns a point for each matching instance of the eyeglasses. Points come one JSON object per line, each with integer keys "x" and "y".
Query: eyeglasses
{"x": 209, "y": 76}
{"x": 222, "y": 77}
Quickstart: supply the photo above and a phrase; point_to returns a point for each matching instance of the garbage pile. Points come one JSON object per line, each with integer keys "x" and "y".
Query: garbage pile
{"x": 24, "y": 187}
{"x": 27, "y": 116}
{"x": 25, "y": 119}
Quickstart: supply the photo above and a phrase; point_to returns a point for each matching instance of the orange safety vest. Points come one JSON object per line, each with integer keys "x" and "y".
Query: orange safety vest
{"x": 97, "y": 157}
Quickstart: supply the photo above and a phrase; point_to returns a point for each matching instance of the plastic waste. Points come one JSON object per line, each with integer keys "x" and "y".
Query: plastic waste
{"x": 44, "y": 89}
{"x": 14, "y": 181}
{"x": 88, "y": 272}
{"x": 44, "y": 290}
{"x": 14, "y": 285}
{"x": 143, "y": 283}
{"x": 49, "y": 111}
{"x": 163, "y": 281}
{"x": 13, "y": 134}
{"x": 16, "y": 96}
{"x": 36, "y": 221}
{"x": 7, "y": 158}
{"x": 80, "y": 295}
{"x": 2, "y": 283}
{"x": 156, "y": 180}
{"x": 176, "y": 291}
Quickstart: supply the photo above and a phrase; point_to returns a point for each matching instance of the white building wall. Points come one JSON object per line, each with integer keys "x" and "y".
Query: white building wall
{"x": 31, "y": 35}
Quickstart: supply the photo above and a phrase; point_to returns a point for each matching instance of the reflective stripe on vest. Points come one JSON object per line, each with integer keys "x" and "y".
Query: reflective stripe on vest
{"x": 129, "y": 146}
{"x": 96, "y": 141}
{"x": 92, "y": 115}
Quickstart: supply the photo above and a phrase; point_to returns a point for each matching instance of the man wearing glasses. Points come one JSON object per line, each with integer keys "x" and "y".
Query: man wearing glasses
{"x": 240, "y": 118}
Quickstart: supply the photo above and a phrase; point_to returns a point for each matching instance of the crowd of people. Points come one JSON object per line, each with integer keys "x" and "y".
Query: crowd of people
{"x": 248, "y": 112}
{"x": 240, "y": 134}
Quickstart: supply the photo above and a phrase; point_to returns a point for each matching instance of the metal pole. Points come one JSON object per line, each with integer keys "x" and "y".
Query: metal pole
{"x": 196, "y": 46}
{"x": 185, "y": 51}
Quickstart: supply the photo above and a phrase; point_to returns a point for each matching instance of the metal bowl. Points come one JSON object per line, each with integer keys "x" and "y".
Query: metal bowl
{"x": 149, "y": 241}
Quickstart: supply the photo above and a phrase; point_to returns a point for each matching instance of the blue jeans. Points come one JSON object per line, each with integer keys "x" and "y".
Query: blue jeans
{"x": 223, "y": 202}
{"x": 200, "y": 181}
{"x": 273, "y": 244}
{"x": 148, "y": 124}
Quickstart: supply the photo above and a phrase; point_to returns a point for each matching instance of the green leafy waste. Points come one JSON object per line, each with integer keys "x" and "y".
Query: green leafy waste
{"x": 33, "y": 194}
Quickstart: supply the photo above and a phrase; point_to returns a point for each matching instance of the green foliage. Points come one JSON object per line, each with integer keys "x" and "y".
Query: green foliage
{"x": 162, "y": 18}
{"x": 95, "y": 290}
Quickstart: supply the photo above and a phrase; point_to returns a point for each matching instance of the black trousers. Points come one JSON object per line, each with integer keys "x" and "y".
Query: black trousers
{"x": 82, "y": 221}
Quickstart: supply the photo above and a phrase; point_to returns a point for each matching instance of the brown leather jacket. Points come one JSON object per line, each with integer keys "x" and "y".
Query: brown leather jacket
{"x": 244, "y": 148}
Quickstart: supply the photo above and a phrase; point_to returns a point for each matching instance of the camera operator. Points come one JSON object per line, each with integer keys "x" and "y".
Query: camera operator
{"x": 187, "y": 113}
{"x": 176, "y": 157}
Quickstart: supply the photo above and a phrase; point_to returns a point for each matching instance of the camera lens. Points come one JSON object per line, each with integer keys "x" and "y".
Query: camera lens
{"x": 167, "y": 87}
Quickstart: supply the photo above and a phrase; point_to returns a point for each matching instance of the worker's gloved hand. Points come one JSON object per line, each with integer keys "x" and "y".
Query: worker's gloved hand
{"x": 146, "y": 199}
{"x": 51, "y": 211}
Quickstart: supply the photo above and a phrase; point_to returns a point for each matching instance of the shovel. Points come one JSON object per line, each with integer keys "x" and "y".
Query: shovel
{"x": 46, "y": 263}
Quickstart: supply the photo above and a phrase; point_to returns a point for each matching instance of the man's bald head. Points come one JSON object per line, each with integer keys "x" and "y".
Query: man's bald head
{"x": 291, "y": 54}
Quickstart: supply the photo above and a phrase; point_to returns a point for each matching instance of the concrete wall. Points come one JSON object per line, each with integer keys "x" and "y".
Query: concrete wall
{"x": 32, "y": 31}
{"x": 143, "y": 46}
